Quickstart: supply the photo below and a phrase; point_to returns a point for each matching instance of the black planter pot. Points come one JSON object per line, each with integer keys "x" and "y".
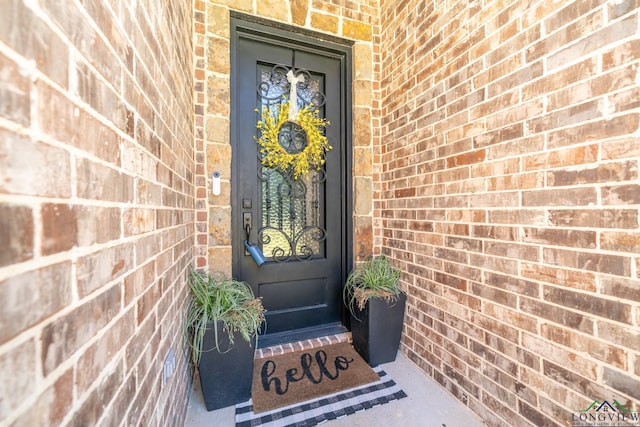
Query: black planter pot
{"x": 376, "y": 335}
{"x": 225, "y": 378}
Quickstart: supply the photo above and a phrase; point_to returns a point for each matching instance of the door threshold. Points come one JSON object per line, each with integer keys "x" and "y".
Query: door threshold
{"x": 297, "y": 335}
{"x": 302, "y": 345}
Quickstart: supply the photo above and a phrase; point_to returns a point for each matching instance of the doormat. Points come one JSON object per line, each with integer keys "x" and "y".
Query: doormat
{"x": 320, "y": 410}
{"x": 290, "y": 378}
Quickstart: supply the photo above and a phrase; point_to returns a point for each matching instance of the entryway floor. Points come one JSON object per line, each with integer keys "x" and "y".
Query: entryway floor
{"x": 426, "y": 405}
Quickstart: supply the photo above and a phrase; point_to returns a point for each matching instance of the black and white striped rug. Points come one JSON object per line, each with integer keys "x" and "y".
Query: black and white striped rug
{"x": 320, "y": 410}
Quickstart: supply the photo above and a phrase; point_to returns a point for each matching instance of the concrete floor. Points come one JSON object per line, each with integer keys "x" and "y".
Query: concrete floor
{"x": 426, "y": 405}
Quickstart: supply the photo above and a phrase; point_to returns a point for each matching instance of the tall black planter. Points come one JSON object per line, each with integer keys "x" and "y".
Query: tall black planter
{"x": 225, "y": 378}
{"x": 376, "y": 335}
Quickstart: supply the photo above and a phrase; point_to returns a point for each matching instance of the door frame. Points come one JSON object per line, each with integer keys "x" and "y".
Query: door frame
{"x": 256, "y": 28}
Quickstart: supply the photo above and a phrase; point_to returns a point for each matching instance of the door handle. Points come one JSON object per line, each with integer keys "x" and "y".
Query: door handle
{"x": 247, "y": 224}
{"x": 249, "y": 248}
{"x": 247, "y": 221}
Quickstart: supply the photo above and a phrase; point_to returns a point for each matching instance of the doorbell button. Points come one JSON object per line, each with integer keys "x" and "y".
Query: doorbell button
{"x": 215, "y": 184}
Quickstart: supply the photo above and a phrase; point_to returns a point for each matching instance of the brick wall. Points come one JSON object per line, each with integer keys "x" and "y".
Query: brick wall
{"x": 355, "y": 21}
{"x": 509, "y": 195}
{"x": 96, "y": 210}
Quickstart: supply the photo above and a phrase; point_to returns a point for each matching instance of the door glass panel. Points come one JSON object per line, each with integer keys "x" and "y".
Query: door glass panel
{"x": 291, "y": 210}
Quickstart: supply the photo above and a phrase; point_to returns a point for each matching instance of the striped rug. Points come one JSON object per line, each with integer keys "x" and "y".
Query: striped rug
{"x": 320, "y": 410}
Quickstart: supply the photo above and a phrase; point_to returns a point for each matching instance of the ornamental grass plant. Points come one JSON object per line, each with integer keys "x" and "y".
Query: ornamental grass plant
{"x": 214, "y": 298}
{"x": 374, "y": 278}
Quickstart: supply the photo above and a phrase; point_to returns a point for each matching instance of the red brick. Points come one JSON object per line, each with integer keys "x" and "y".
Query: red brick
{"x": 406, "y": 192}
{"x": 568, "y": 378}
{"x": 535, "y": 416}
{"x": 621, "y": 54}
{"x": 101, "y": 97}
{"x": 462, "y": 381}
{"x": 147, "y": 302}
{"x": 512, "y": 250}
{"x": 513, "y": 39}
{"x": 593, "y": 131}
{"x": 569, "y": 116}
{"x": 122, "y": 401}
{"x": 626, "y": 289}
{"x": 603, "y": 83}
{"x": 622, "y": 382}
{"x": 529, "y": 144}
{"x": 450, "y": 281}
{"x": 40, "y": 44}
{"x": 519, "y": 286}
{"x": 138, "y": 281}
{"x": 98, "y": 182}
{"x": 92, "y": 407}
{"x": 16, "y": 234}
{"x": 496, "y": 199}
{"x": 59, "y": 228}
{"x": 483, "y": 109}
{"x": 560, "y": 276}
{"x": 29, "y": 298}
{"x": 620, "y": 241}
{"x": 66, "y": 122}
{"x": 581, "y": 343}
{"x": 589, "y": 218}
{"x": 17, "y": 388}
{"x": 15, "y": 89}
{"x": 100, "y": 354}
{"x": 463, "y": 271}
{"x": 494, "y": 232}
{"x": 616, "y": 31}
{"x": 555, "y": 237}
{"x": 621, "y": 195}
{"x": 519, "y": 77}
{"x": 494, "y": 327}
{"x": 24, "y": 164}
{"x": 143, "y": 337}
{"x": 510, "y": 317}
{"x": 589, "y": 261}
{"x": 98, "y": 269}
{"x": 625, "y": 100}
{"x": 610, "y": 309}
{"x": 138, "y": 221}
{"x": 493, "y": 294}
{"x": 557, "y": 314}
{"x": 619, "y": 335}
{"x": 462, "y": 243}
{"x": 73, "y": 23}
{"x": 519, "y": 216}
{"x": 65, "y": 335}
{"x": 561, "y": 78}
{"x": 608, "y": 172}
{"x": 577, "y": 196}
{"x": 494, "y": 264}
{"x": 498, "y": 407}
{"x": 98, "y": 224}
{"x": 52, "y": 405}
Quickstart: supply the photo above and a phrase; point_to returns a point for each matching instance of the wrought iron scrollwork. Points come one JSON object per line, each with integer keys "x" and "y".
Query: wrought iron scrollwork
{"x": 297, "y": 248}
{"x": 275, "y": 86}
{"x": 291, "y": 226}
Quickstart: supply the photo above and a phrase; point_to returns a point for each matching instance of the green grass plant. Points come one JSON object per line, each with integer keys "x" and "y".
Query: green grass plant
{"x": 374, "y": 278}
{"x": 215, "y": 297}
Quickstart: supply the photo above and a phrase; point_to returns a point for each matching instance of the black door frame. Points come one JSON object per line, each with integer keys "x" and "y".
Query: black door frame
{"x": 243, "y": 25}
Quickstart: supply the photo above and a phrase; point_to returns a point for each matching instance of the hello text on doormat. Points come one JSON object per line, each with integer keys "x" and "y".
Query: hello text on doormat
{"x": 295, "y": 377}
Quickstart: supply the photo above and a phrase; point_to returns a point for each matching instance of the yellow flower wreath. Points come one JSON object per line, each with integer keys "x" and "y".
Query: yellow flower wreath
{"x": 274, "y": 155}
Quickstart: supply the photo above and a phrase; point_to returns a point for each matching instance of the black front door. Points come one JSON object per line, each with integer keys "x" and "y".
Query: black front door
{"x": 301, "y": 224}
